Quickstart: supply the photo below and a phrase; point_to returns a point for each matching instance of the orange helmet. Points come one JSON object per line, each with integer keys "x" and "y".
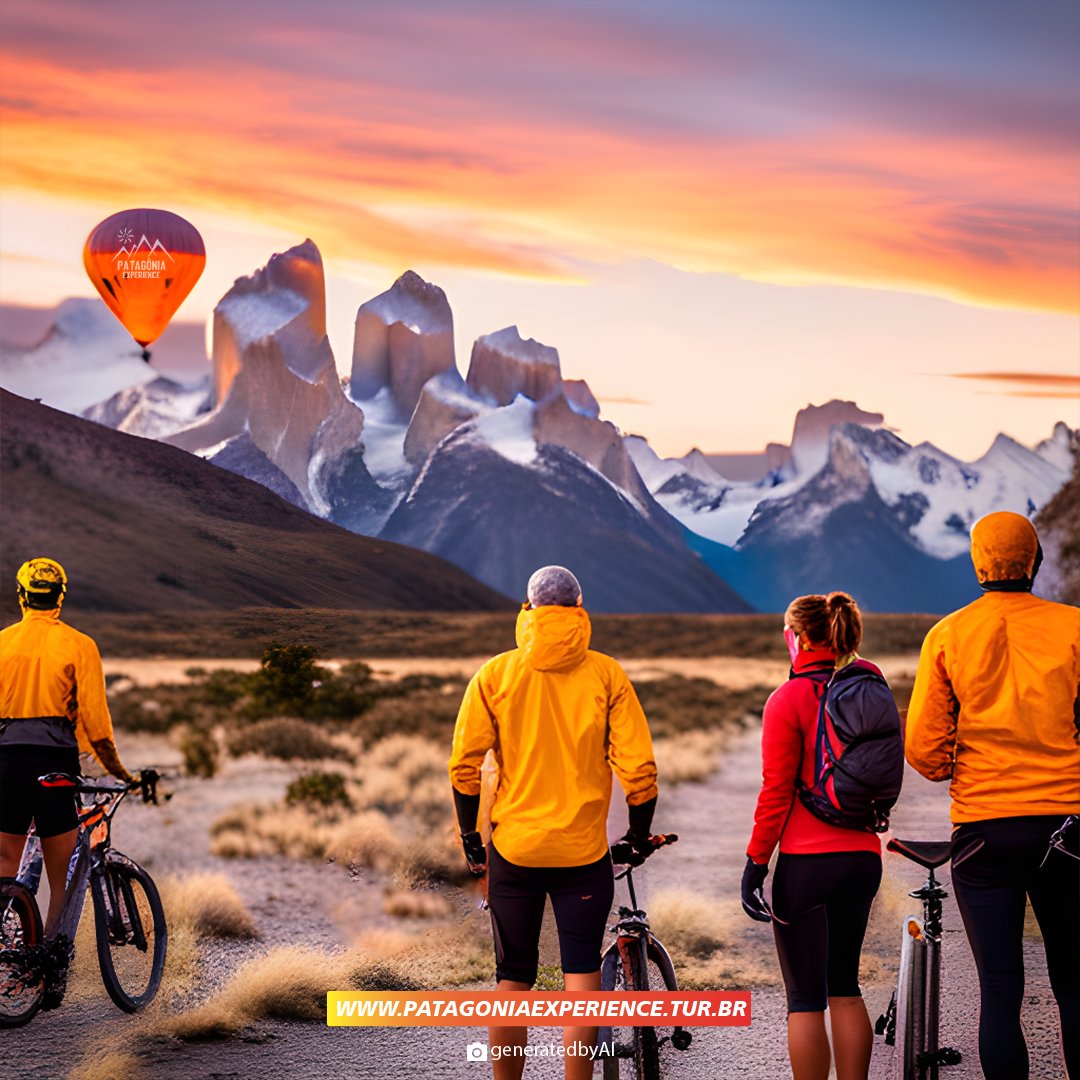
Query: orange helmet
{"x": 41, "y": 584}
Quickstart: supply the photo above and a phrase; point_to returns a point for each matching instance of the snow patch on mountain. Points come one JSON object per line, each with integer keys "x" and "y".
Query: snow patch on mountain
{"x": 85, "y": 355}
{"x": 509, "y": 431}
{"x": 154, "y": 409}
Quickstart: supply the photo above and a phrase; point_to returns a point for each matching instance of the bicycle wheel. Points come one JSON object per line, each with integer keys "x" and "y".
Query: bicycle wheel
{"x": 637, "y": 1044}
{"x": 21, "y": 984}
{"x": 131, "y": 932}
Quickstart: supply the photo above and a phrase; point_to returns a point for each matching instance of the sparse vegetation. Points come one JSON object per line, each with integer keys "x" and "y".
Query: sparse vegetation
{"x": 319, "y": 789}
{"x": 201, "y": 752}
{"x": 366, "y": 635}
{"x": 287, "y": 739}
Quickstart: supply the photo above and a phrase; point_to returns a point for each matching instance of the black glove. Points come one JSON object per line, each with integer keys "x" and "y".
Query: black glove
{"x": 475, "y": 853}
{"x": 753, "y": 891}
{"x": 632, "y": 850}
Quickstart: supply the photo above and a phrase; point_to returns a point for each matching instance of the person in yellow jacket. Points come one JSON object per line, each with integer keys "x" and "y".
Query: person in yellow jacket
{"x": 52, "y": 705}
{"x": 996, "y": 711}
{"x": 560, "y": 719}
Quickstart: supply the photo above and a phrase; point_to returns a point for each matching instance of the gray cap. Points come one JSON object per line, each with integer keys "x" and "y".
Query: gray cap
{"x": 553, "y": 586}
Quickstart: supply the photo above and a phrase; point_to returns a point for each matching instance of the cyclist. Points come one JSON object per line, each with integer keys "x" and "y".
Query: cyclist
{"x": 52, "y": 704}
{"x": 826, "y": 876}
{"x": 560, "y": 719}
{"x": 996, "y": 711}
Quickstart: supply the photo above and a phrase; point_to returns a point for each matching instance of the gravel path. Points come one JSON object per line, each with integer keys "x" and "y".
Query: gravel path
{"x": 712, "y": 819}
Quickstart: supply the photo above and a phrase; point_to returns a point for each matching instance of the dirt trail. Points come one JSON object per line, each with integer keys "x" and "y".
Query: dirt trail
{"x": 321, "y": 905}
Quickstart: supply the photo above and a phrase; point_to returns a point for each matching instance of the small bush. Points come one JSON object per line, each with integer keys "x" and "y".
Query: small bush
{"x": 319, "y": 789}
{"x": 687, "y": 922}
{"x": 201, "y": 753}
{"x": 413, "y": 904}
{"x": 209, "y": 904}
{"x": 286, "y": 739}
{"x": 284, "y": 685}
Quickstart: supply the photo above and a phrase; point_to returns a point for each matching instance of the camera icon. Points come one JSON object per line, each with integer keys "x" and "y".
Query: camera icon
{"x": 476, "y": 1051}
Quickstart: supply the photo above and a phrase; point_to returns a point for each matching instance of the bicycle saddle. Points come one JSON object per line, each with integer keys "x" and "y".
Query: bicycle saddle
{"x": 927, "y": 853}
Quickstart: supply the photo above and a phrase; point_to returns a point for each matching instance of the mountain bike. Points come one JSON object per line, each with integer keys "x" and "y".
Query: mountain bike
{"x": 128, "y": 918}
{"x": 911, "y": 1022}
{"x": 636, "y": 960}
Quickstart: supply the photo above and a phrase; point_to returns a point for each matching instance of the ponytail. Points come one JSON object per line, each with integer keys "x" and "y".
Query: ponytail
{"x": 830, "y": 622}
{"x": 845, "y": 623}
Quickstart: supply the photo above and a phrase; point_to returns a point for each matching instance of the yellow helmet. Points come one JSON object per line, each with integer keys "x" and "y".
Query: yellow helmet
{"x": 1005, "y": 547}
{"x": 42, "y": 584}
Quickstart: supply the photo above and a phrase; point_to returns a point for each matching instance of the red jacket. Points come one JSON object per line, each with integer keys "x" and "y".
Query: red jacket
{"x": 788, "y": 734}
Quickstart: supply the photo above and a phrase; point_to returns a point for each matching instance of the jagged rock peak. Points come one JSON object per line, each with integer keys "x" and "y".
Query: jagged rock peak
{"x": 504, "y": 364}
{"x": 403, "y": 337}
{"x": 581, "y": 398}
{"x": 810, "y": 439}
{"x": 291, "y": 284}
{"x": 421, "y": 305}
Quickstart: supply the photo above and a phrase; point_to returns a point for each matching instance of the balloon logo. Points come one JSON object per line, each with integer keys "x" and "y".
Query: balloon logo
{"x": 144, "y": 263}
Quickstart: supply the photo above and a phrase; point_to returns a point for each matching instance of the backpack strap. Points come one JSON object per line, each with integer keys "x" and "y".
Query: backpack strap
{"x": 820, "y": 675}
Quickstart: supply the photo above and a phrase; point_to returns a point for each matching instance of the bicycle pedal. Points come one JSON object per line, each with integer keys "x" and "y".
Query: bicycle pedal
{"x": 681, "y": 1039}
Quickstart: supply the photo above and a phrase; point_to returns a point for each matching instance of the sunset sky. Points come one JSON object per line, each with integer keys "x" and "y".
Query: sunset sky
{"x": 717, "y": 212}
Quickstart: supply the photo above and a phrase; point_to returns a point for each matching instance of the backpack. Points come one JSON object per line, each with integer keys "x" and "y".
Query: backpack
{"x": 859, "y": 750}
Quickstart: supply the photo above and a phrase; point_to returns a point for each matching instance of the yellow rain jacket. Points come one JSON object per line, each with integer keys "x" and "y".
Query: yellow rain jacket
{"x": 995, "y": 708}
{"x": 559, "y": 718}
{"x": 48, "y": 668}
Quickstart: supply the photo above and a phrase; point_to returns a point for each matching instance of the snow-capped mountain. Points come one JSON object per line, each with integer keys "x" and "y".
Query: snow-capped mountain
{"x": 940, "y": 496}
{"x": 511, "y": 465}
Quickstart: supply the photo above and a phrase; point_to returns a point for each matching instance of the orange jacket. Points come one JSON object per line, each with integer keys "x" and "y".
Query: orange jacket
{"x": 995, "y": 707}
{"x": 48, "y": 668}
{"x": 560, "y": 719}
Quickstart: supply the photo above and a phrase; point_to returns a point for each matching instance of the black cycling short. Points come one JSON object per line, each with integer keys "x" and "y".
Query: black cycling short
{"x": 581, "y": 899}
{"x": 824, "y": 904}
{"x": 999, "y": 865}
{"x": 23, "y": 799}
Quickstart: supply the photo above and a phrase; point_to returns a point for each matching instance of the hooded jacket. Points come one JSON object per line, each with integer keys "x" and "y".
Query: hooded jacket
{"x": 995, "y": 708}
{"x": 50, "y": 669}
{"x": 560, "y": 719}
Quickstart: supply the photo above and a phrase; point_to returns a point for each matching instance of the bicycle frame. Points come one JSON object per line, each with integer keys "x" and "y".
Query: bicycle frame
{"x": 87, "y": 859}
{"x": 632, "y": 934}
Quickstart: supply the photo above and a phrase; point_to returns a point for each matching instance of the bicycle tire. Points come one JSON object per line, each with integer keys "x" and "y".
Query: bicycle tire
{"x": 132, "y": 935}
{"x": 645, "y": 1051}
{"x": 910, "y": 1001}
{"x": 646, "y": 1045}
{"x": 20, "y": 928}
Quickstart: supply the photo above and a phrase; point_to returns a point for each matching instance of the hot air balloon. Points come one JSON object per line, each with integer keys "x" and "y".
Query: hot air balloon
{"x": 144, "y": 263}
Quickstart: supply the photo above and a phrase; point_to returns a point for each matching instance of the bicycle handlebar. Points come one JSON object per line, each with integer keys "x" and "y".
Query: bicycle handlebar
{"x": 146, "y": 782}
{"x": 638, "y": 857}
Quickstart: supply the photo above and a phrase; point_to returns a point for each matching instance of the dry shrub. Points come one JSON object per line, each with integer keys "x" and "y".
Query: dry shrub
{"x": 286, "y": 984}
{"x": 438, "y": 957}
{"x": 686, "y": 922}
{"x": 427, "y": 712}
{"x": 413, "y": 904}
{"x": 690, "y": 757}
{"x": 429, "y": 859}
{"x": 287, "y": 739}
{"x": 366, "y": 839}
{"x": 255, "y": 830}
{"x": 676, "y": 704}
{"x": 709, "y": 942}
{"x": 112, "y": 1065}
{"x": 209, "y": 904}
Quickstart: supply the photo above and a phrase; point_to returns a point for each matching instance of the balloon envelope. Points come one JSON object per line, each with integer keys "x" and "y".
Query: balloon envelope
{"x": 144, "y": 263}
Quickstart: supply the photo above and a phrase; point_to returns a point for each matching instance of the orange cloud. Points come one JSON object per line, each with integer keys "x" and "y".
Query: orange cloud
{"x": 418, "y": 179}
